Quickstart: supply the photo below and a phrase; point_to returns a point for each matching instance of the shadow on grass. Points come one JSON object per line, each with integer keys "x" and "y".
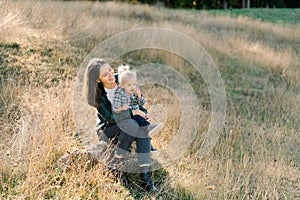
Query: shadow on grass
{"x": 161, "y": 180}
{"x": 104, "y": 153}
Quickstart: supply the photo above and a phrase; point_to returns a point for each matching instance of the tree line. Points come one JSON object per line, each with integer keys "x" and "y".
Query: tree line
{"x": 219, "y": 4}
{"x": 224, "y": 4}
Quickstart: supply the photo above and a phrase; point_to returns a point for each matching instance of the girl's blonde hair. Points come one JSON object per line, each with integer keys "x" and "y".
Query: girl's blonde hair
{"x": 125, "y": 74}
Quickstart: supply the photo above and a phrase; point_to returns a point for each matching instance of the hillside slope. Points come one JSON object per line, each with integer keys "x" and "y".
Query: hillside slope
{"x": 42, "y": 45}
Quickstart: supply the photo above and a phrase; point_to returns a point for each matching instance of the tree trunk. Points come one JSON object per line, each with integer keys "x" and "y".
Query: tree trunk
{"x": 225, "y": 4}
{"x": 243, "y": 3}
{"x": 248, "y": 4}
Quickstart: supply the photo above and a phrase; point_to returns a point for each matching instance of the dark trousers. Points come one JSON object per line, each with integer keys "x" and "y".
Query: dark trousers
{"x": 140, "y": 120}
{"x": 128, "y": 131}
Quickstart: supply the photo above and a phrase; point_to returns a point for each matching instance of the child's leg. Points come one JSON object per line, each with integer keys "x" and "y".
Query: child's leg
{"x": 151, "y": 129}
{"x": 143, "y": 122}
{"x": 140, "y": 120}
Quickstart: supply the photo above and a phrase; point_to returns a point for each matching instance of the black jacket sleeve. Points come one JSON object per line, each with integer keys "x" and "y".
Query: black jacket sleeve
{"x": 105, "y": 111}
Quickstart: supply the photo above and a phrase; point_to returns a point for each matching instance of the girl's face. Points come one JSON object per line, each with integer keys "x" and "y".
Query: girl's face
{"x": 130, "y": 86}
{"x": 106, "y": 76}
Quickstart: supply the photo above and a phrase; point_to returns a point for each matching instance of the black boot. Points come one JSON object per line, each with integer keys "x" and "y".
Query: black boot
{"x": 153, "y": 149}
{"x": 123, "y": 178}
{"x": 119, "y": 176}
{"x": 145, "y": 176}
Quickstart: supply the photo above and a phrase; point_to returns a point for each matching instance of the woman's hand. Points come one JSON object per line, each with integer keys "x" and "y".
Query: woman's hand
{"x": 138, "y": 112}
{"x": 142, "y": 114}
{"x": 138, "y": 92}
{"x": 125, "y": 107}
{"x": 148, "y": 118}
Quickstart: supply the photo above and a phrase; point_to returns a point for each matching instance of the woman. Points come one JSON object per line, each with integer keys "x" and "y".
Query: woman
{"x": 101, "y": 86}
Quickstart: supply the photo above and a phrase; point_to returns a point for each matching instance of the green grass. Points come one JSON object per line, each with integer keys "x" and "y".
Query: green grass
{"x": 274, "y": 15}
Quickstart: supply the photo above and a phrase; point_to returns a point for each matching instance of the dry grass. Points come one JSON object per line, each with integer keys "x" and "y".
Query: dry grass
{"x": 42, "y": 46}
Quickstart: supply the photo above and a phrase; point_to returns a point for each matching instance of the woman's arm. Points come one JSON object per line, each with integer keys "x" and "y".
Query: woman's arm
{"x": 138, "y": 112}
{"x": 105, "y": 112}
{"x": 142, "y": 114}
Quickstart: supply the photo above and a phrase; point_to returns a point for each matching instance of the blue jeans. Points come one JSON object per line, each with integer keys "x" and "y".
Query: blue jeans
{"x": 134, "y": 133}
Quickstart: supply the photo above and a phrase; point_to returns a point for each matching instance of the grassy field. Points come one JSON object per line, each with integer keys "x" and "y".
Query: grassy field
{"x": 279, "y": 15}
{"x": 42, "y": 45}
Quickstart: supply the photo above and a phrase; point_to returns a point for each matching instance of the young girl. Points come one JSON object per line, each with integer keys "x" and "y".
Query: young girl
{"x": 128, "y": 97}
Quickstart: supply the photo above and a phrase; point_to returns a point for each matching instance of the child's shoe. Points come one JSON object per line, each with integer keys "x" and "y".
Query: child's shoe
{"x": 154, "y": 129}
{"x": 153, "y": 149}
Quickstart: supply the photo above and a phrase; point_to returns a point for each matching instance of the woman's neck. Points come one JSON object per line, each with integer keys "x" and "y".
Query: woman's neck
{"x": 109, "y": 85}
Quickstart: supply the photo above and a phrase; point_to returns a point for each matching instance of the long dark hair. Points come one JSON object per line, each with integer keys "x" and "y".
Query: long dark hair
{"x": 94, "y": 88}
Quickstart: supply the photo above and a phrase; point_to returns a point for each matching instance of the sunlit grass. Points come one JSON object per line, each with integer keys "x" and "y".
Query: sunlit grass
{"x": 42, "y": 45}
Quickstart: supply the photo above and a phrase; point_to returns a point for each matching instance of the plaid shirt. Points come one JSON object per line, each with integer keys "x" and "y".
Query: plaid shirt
{"x": 122, "y": 98}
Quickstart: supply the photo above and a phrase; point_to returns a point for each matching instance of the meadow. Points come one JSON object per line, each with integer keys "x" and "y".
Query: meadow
{"x": 42, "y": 45}
{"x": 278, "y": 16}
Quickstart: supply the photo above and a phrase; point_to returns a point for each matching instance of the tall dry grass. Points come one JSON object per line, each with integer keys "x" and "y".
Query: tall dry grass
{"x": 42, "y": 46}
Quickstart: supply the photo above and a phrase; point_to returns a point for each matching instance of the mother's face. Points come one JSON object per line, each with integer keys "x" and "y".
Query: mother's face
{"x": 106, "y": 75}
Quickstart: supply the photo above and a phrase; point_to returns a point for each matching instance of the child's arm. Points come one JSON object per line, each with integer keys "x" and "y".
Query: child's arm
{"x": 141, "y": 100}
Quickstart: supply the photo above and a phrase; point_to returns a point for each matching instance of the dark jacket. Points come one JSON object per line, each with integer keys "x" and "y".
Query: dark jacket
{"x": 105, "y": 113}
